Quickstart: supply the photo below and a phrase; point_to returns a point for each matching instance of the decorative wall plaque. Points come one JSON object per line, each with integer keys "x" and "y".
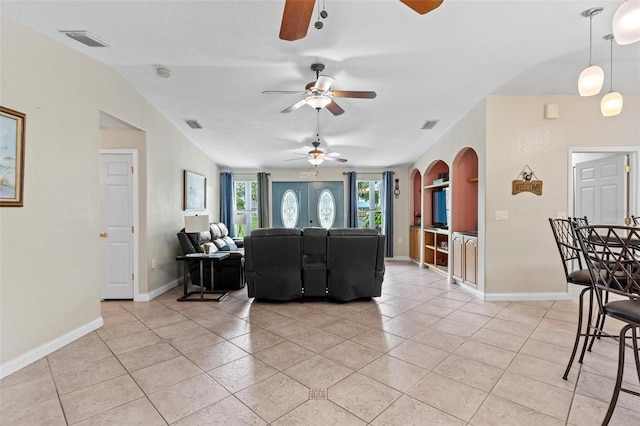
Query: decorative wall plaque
{"x": 526, "y": 182}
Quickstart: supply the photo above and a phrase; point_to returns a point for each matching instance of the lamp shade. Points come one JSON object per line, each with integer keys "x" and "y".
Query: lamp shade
{"x": 240, "y": 219}
{"x": 611, "y": 104}
{"x": 316, "y": 160}
{"x": 590, "y": 81}
{"x": 196, "y": 223}
{"x": 626, "y": 22}
{"x": 318, "y": 101}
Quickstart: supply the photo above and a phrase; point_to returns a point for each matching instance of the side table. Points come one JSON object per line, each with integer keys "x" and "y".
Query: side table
{"x": 201, "y": 258}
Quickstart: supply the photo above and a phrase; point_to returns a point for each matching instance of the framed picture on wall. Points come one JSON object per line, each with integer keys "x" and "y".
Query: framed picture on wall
{"x": 194, "y": 191}
{"x": 12, "y": 126}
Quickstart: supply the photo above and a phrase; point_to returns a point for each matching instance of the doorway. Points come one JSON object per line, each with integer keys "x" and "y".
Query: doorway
{"x": 306, "y": 204}
{"x": 604, "y": 184}
{"x": 118, "y": 224}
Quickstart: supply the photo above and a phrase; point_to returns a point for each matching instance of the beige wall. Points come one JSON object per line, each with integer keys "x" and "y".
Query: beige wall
{"x": 521, "y": 256}
{"x": 49, "y": 251}
{"x": 518, "y": 257}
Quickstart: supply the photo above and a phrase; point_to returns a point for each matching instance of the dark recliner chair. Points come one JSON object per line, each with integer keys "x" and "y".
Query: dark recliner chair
{"x": 314, "y": 262}
{"x": 229, "y": 272}
{"x": 273, "y": 258}
{"x": 355, "y": 263}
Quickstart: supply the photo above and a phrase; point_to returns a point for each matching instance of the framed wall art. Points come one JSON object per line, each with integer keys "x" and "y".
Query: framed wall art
{"x": 195, "y": 191}
{"x": 12, "y": 127}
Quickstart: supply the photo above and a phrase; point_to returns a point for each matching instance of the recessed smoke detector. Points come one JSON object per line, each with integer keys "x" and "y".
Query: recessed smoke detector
{"x": 194, "y": 124}
{"x": 86, "y": 38}
{"x": 428, "y": 125}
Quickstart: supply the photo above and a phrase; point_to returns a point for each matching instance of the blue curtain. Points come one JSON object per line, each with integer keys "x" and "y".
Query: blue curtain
{"x": 352, "y": 200}
{"x": 263, "y": 200}
{"x": 387, "y": 184}
{"x": 226, "y": 201}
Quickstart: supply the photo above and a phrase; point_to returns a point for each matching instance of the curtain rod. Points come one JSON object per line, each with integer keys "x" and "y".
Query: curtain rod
{"x": 368, "y": 173}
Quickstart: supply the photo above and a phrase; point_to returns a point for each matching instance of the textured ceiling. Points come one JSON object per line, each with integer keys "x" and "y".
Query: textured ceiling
{"x": 223, "y": 54}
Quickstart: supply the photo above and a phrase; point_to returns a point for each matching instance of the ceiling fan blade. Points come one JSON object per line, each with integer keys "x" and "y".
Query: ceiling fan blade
{"x": 295, "y": 159}
{"x": 294, "y": 106}
{"x": 422, "y": 6}
{"x": 334, "y": 108}
{"x": 336, "y": 159}
{"x": 324, "y": 83}
{"x": 353, "y": 94}
{"x": 287, "y": 92}
{"x": 295, "y": 19}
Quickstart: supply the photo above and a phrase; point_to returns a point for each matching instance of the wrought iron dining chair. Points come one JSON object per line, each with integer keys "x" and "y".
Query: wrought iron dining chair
{"x": 612, "y": 255}
{"x": 571, "y": 256}
{"x": 635, "y": 220}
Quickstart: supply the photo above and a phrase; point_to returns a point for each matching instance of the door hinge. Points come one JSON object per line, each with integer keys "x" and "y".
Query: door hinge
{"x": 133, "y": 277}
{"x": 627, "y": 169}
{"x": 132, "y": 229}
{"x": 131, "y": 169}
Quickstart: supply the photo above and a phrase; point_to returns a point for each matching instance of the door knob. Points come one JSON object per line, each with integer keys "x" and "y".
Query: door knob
{"x": 103, "y": 235}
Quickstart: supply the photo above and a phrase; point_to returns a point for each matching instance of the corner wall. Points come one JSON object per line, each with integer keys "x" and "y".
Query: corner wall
{"x": 49, "y": 251}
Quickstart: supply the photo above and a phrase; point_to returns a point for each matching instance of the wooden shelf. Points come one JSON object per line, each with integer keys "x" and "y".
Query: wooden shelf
{"x": 438, "y": 185}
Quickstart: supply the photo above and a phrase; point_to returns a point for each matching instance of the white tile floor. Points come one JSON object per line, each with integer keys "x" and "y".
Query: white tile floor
{"x": 425, "y": 353}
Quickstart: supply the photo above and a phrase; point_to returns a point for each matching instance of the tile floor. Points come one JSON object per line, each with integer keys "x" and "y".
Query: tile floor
{"x": 425, "y": 353}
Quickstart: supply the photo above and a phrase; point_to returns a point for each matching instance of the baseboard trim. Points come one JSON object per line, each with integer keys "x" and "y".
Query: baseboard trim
{"x": 398, "y": 258}
{"x": 508, "y": 297}
{"x": 41, "y": 351}
{"x": 145, "y": 297}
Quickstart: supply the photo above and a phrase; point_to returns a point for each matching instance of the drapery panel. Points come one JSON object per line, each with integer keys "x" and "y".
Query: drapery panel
{"x": 263, "y": 200}
{"x": 226, "y": 201}
{"x": 387, "y": 184}
{"x": 352, "y": 200}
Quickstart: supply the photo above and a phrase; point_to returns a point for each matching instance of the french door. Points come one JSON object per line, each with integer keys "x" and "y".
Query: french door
{"x": 303, "y": 204}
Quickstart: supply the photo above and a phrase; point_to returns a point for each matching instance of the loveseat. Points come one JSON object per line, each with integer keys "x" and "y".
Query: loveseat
{"x": 229, "y": 272}
{"x": 340, "y": 264}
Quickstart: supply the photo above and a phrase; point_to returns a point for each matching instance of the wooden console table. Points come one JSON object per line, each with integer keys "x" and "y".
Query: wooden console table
{"x": 201, "y": 258}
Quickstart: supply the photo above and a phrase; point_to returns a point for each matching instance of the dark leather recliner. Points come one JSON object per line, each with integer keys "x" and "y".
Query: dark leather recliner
{"x": 314, "y": 262}
{"x": 355, "y": 263}
{"x": 273, "y": 263}
{"x": 229, "y": 272}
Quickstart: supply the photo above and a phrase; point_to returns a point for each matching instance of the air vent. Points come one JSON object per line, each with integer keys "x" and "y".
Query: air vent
{"x": 428, "y": 125}
{"x": 194, "y": 124}
{"x": 85, "y": 37}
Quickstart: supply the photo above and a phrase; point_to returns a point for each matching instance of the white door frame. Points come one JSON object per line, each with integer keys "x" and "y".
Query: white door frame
{"x": 634, "y": 184}
{"x": 136, "y": 214}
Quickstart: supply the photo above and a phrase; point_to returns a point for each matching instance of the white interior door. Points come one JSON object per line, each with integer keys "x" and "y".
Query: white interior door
{"x": 117, "y": 225}
{"x": 600, "y": 192}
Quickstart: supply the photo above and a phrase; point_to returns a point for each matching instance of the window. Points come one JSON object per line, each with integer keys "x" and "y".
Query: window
{"x": 245, "y": 205}
{"x": 370, "y": 204}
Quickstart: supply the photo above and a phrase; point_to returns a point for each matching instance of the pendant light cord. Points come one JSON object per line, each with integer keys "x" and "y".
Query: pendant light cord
{"x": 590, "y": 37}
{"x": 611, "y": 82}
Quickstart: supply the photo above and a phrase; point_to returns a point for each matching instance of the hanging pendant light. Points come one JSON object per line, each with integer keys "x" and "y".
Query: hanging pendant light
{"x": 611, "y": 103}
{"x": 626, "y": 22}
{"x": 591, "y": 78}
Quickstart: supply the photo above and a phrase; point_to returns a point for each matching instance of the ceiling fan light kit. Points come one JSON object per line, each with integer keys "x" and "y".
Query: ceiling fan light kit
{"x": 591, "y": 78}
{"x": 626, "y": 22}
{"x": 318, "y": 101}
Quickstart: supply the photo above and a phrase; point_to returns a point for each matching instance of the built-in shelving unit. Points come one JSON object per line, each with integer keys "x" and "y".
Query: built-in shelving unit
{"x": 436, "y": 250}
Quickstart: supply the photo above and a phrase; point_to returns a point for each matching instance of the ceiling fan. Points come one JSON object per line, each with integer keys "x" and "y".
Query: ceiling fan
{"x": 318, "y": 94}
{"x": 316, "y": 156}
{"x": 297, "y": 15}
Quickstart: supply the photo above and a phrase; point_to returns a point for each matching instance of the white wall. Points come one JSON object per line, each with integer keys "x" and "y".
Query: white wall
{"x": 49, "y": 251}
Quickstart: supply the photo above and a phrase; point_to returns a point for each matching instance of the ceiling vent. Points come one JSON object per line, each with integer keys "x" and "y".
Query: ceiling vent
{"x": 428, "y": 125}
{"x": 194, "y": 124}
{"x": 85, "y": 37}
